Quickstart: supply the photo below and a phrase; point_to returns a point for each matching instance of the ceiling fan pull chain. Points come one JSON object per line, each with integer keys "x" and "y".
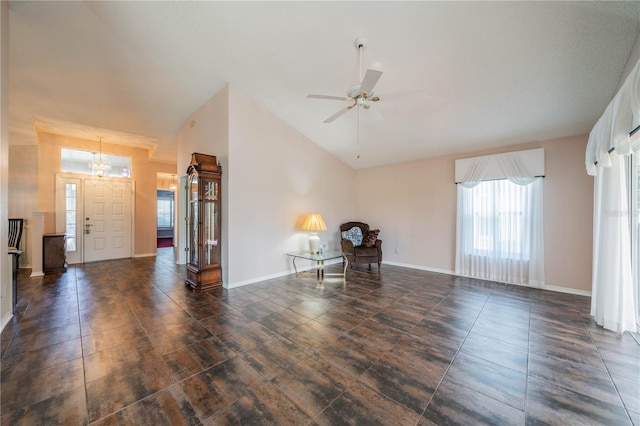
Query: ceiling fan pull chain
{"x": 358, "y": 132}
{"x": 358, "y": 127}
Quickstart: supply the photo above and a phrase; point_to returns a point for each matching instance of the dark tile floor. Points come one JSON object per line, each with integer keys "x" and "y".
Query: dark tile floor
{"x": 123, "y": 342}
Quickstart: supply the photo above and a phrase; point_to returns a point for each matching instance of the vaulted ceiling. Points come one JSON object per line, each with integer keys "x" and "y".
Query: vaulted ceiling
{"x": 457, "y": 76}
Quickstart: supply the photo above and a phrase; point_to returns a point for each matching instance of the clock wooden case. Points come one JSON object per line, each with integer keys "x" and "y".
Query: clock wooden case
{"x": 204, "y": 270}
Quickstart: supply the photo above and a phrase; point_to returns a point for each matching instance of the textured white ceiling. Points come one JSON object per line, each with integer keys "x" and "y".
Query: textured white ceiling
{"x": 458, "y": 76}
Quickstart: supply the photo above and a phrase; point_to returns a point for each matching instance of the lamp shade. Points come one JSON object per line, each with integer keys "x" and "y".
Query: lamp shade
{"x": 314, "y": 223}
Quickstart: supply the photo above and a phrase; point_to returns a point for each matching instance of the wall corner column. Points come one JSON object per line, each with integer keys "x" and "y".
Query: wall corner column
{"x": 37, "y": 231}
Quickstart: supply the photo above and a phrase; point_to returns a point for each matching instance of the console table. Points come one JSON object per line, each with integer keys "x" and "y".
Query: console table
{"x": 53, "y": 253}
{"x": 320, "y": 259}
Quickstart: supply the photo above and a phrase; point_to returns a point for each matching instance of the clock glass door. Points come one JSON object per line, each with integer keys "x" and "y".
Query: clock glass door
{"x": 193, "y": 219}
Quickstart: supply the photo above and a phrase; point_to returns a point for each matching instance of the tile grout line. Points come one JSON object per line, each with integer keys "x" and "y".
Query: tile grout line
{"x": 459, "y": 350}
{"x": 613, "y": 382}
{"x": 369, "y": 368}
{"x": 492, "y": 295}
{"x": 124, "y": 299}
{"x": 84, "y": 368}
{"x": 421, "y": 416}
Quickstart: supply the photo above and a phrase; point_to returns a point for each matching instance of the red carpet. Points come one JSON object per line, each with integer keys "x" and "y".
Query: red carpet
{"x": 165, "y": 242}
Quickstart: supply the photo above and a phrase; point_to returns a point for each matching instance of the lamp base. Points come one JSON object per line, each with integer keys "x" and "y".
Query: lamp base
{"x": 314, "y": 243}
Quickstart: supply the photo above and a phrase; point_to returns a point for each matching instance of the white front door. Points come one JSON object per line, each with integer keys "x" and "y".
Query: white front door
{"x": 107, "y": 220}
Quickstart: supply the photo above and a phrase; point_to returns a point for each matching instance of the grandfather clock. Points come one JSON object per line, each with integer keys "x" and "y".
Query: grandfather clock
{"x": 203, "y": 222}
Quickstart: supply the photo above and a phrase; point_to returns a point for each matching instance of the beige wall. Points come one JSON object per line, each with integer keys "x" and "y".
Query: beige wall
{"x": 276, "y": 177}
{"x": 23, "y": 172}
{"x": 272, "y": 177}
{"x": 207, "y": 132}
{"x": 5, "y": 277}
{"x": 143, "y": 172}
{"x": 414, "y": 205}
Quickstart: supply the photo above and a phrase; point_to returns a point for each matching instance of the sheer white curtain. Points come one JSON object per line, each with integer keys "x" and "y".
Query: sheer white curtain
{"x": 612, "y": 298}
{"x": 500, "y": 230}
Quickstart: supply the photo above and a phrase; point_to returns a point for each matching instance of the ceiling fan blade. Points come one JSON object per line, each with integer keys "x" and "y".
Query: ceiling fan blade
{"x": 337, "y": 114}
{"x": 370, "y": 79}
{"x": 333, "y": 98}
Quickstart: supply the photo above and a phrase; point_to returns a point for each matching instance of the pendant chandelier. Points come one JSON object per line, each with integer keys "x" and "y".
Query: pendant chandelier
{"x": 98, "y": 165}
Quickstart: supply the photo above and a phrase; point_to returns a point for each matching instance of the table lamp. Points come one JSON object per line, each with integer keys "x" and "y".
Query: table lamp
{"x": 314, "y": 223}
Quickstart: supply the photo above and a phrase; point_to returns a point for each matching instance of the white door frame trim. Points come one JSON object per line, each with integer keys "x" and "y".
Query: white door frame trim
{"x": 59, "y": 216}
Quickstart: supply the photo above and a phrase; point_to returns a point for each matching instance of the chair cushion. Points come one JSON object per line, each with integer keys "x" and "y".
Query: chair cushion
{"x": 366, "y": 252}
{"x": 354, "y": 235}
{"x": 370, "y": 237}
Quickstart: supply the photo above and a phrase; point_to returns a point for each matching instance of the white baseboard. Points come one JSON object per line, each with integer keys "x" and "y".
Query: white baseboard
{"x": 445, "y": 271}
{"x": 145, "y": 255}
{"x": 567, "y": 290}
{"x": 422, "y": 268}
{"x": 36, "y": 274}
{"x": 257, "y": 280}
{"x": 5, "y": 320}
{"x": 278, "y": 275}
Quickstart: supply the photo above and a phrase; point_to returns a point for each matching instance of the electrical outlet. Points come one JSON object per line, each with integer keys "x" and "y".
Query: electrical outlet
{"x": 397, "y": 250}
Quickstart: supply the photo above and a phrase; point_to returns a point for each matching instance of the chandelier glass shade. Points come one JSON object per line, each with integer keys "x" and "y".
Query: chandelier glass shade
{"x": 99, "y": 166}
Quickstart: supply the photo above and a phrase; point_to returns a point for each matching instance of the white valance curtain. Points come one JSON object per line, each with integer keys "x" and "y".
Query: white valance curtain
{"x": 611, "y": 132}
{"x": 521, "y": 167}
{"x": 499, "y": 232}
{"x": 612, "y": 296}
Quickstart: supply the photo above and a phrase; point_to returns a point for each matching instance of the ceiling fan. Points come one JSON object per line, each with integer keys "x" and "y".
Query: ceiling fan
{"x": 359, "y": 95}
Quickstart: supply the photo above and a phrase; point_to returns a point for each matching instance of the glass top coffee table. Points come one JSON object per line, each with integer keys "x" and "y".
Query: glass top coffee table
{"x": 320, "y": 259}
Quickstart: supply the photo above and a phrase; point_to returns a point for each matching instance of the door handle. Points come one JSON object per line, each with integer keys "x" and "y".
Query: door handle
{"x": 87, "y": 227}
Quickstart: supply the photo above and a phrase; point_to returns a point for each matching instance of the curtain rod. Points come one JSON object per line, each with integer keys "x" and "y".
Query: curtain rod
{"x": 613, "y": 148}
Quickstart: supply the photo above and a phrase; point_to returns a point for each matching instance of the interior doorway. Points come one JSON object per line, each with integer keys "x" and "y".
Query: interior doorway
{"x": 166, "y": 210}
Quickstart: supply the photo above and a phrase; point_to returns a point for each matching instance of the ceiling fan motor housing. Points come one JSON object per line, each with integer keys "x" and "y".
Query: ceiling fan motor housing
{"x": 355, "y": 93}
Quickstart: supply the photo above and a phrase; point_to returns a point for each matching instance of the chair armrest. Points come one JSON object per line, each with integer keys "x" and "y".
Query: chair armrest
{"x": 379, "y": 247}
{"x": 347, "y": 246}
